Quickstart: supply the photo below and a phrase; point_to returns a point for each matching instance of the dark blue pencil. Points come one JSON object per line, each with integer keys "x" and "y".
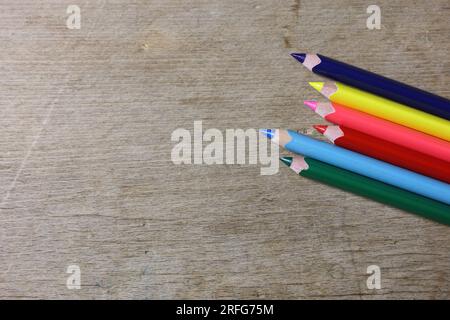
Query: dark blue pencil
{"x": 376, "y": 84}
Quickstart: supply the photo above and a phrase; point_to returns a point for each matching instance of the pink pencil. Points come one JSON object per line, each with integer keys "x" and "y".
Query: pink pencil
{"x": 382, "y": 129}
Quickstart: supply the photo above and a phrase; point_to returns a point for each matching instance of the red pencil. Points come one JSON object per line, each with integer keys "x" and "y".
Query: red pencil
{"x": 386, "y": 151}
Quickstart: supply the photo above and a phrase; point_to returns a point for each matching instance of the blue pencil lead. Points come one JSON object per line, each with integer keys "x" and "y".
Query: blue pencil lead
{"x": 300, "y": 57}
{"x": 269, "y": 133}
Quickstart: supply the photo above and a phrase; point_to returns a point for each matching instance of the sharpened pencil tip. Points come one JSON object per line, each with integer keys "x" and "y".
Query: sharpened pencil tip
{"x": 320, "y": 128}
{"x": 311, "y": 104}
{"x": 269, "y": 133}
{"x": 286, "y": 160}
{"x": 300, "y": 57}
{"x": 317, "y": 85}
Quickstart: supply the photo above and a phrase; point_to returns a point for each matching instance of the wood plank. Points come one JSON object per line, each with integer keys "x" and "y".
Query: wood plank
{"x": 86, "y": 176}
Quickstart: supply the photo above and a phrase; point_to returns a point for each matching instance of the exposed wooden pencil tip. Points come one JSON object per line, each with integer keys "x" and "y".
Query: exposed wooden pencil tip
{"x": 320, "y": 128}
{"x": 317, "y": 85}
{"x": 300, "y": 57}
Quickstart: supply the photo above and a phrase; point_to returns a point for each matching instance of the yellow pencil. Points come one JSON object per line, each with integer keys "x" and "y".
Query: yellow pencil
{"x": 384, "y": 108}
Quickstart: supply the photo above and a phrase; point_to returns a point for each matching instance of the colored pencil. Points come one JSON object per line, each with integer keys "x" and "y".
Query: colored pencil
{"x": 360, "y": 164}
{"x": 386, "y": 151}
{"x": 376, "y": 84}
{"x": 382, "y": 129}
{"x": 369, "y": 188}
{"x": 384, "y": 108}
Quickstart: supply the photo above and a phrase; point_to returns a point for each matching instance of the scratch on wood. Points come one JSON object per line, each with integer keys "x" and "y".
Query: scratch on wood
{"x": 287, "y": 42}
{"x": 296, "y": 8}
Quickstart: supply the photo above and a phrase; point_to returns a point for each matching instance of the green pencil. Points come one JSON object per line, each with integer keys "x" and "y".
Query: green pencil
{"x": 369, "y": 188}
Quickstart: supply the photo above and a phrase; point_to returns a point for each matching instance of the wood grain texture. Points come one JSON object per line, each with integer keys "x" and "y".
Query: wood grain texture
{"x": 86, "y": 176}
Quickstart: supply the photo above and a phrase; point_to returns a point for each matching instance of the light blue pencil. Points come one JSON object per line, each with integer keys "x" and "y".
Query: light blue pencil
{"x": 360, "y": 164}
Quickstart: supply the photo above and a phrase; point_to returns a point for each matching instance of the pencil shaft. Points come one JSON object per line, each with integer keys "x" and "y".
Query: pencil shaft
{"x": 387, "y": 109}
{"x": 389, "y": 131}
{"x": 376, "y": 190}
{"x": 366, "y": 166}
{"x": 383, "y": 86}
{"x": 394, "y": 154}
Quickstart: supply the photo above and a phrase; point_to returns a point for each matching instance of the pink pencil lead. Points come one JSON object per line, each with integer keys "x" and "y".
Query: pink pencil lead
{"x": 311, "y": 104}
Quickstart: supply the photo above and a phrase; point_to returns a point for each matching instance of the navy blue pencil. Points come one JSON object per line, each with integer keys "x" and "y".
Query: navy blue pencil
{"x": 376, "y": 84}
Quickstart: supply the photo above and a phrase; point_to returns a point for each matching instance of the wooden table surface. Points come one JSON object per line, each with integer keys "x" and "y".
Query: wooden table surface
{"x": 86, "y": 176}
